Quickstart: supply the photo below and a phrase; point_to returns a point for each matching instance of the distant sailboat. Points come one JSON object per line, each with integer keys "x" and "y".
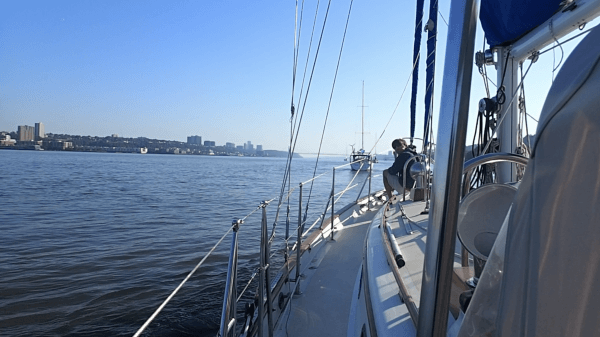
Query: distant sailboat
{"x": 361, "y": 160}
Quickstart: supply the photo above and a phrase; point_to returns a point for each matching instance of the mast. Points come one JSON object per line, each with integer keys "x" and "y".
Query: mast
{"x": 507, "y": 76}
{"x": 362, "y": 130}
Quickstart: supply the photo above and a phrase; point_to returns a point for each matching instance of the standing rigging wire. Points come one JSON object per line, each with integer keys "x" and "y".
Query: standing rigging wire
{"x": 446, "y": 22}
{"x": 304, "y": 74}
{"x": 415, "y": 65}
{"x": 297, "y": 129}
{"x": 287, "y": 176}
{"x": 292, "y": 148}
{"x": 311, "y": 77}
{"x": 306, "y": 63}
{"x": 292, "y": 108}
{"x": 395, "y": 108}
{"x": 297, "y": 31}
{"x": 328, "y": 108}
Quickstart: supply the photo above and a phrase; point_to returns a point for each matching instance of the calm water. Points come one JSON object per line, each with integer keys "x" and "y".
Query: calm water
{"x": 93, "y": 243}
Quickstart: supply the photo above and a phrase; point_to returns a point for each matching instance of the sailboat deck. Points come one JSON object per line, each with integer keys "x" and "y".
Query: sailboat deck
{"x": 409, "y": 227}
{"x": 323, "y": 307}
{"x": 409, "y": 224}
{"x": 332, "y": 277}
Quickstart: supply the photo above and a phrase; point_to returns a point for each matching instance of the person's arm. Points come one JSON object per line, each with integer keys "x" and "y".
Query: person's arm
{"x": 398, "y": 165}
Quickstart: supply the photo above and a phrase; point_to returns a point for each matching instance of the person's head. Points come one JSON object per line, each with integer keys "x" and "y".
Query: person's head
{"x": 399, "y": 145}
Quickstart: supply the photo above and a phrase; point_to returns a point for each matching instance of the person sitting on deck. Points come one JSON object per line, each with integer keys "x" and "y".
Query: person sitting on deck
{"x": 393, "y": 177}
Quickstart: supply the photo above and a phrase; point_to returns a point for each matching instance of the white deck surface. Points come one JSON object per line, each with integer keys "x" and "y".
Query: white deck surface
{"x": 327, "y": 286}
{"x": 406, "y": 218}
{"x": 323, "y": 307}
{"x": 411, "y": 245}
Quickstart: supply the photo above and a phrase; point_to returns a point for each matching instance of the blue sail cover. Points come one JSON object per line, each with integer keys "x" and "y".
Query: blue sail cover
{"x": 506, "y": 20}
{"x": 431, "y": 40}
{"x": 415, "y": 76}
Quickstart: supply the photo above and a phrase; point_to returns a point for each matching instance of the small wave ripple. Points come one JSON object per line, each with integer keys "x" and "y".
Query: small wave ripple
{"x": 93, "y": 243}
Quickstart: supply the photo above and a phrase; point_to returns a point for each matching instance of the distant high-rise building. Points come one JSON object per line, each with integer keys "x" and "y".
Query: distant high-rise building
{"x": 39, "y": 131}
{"x": 114, "y": 135}
{"x": 196, "y": 140}
{"x": 26, "y": 133}
{"x": 240, "y": 148}
{"x": 209, "y": 143}
{"x": 230, "y": 145}
{"x": 249, "y": 146}
{"x": 259, "y": 148}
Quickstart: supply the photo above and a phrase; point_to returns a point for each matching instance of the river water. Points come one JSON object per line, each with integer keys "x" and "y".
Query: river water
{"x": 92, "y": 243}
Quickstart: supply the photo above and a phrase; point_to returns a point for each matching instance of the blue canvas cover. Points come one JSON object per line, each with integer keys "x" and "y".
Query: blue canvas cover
{"x": 506, "y": 20}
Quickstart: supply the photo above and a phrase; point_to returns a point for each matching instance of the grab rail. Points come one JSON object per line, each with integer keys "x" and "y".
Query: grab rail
{"x": 489, "y": 158}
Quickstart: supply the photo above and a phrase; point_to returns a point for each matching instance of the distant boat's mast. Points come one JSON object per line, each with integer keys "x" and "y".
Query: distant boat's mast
{"x": 362, "y": 130}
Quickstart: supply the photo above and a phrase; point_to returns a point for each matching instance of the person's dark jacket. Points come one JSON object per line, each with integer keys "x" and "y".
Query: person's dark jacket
{"x": 398, "y": 167}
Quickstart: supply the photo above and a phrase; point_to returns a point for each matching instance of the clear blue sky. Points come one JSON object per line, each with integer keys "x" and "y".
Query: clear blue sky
{"x": 218, "y": 69}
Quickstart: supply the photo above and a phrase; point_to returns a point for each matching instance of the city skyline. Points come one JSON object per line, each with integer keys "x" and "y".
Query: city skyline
{"x": 166, "y": 70}
{"x": 29, "y": 138}
{"x": 33, "y": 133}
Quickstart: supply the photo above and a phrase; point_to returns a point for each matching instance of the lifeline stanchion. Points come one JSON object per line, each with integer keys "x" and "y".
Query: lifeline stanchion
{"x": 265, "y": 283}
{"x": 332, "y": 201}
{"x": 370, "y": 176}
{"x": 299, "y": 242}
{"x": 229, "y": 298}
